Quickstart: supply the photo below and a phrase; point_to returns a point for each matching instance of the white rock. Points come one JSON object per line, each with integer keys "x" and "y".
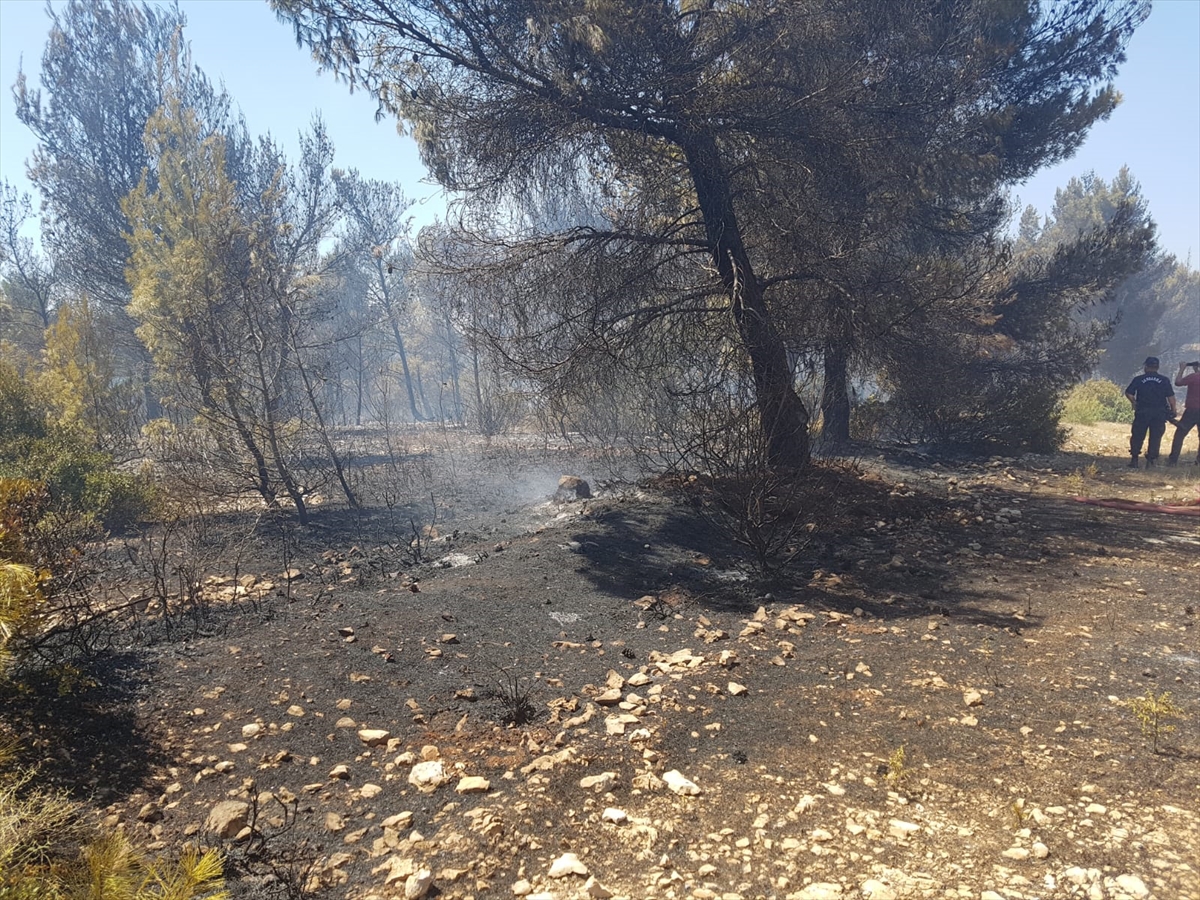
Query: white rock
{"x": 418, "y": 884}
{"x": 1016, "y": 853}
{"x": 679, "y": 784}
{"x": 822, "y": 890}
{"x": 614, "y": 815}
{"x": 1040, "y": 850}
{"x": 735, "y": 689}
{"x": 249, "y": 731}
{"x": 877, "y": 890}
{"x": 1077, "y": 875}
{"x": 567, "y": 864}
{"x": 428, "y": 776}
{"x": 522, "y": 888}
{"x": 1133, "y": 886}
{"x": 595, "y": 889}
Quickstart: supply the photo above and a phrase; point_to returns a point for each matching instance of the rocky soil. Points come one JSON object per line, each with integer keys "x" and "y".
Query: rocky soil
{"x": 596, "y": 698}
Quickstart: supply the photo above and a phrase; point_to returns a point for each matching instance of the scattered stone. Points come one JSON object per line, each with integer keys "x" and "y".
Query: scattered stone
{"x": 614, "y": 815}
{"x": 735, "y": 689}
{"x": 149, "y": 813}
{"x": 610, "y": 697}
{"x": 677, "y": 783}
{"x": 972, "y": 698}
{"x": 601, "y": 783}
{"x": 522, "y": 888}
{"x": 340, "y": 773}
{"x": 428, "y": 776}
{"x": 418, "y": 884}
{"x": 901, "y": 829}
{"x": 227, "y": 818}
{"x": 596, "y": 890}
{"x": 473, "y": 784}
{"x": 374, "y": 737}
{"x": 398, "y": 821}
{"x": 250, "y": 730}
{"x": 871, "y": 889}
{"x": 397, "y": 868}
{"x": 549, "y": 761}
{"x": 567, "y": 864}
{"x": 1133, "y": 886}
{"x": 572, "y": 487}
{"x": 822, "y": 890}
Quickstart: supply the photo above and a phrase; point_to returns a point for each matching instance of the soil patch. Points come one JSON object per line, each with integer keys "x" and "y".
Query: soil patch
{"x": 932, "y": 701}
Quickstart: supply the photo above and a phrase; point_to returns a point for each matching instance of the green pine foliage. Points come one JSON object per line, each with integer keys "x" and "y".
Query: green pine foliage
{"x": 49, "y": 852}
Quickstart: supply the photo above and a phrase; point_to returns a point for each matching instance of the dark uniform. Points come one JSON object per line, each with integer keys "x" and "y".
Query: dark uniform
{"x": 1150, "y": 415}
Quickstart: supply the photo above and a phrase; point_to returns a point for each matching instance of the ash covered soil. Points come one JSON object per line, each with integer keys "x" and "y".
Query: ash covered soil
{"x": 596, "y": 698}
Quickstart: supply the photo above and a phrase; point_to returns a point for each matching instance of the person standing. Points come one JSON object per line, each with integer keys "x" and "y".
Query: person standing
{"x": 1153, "y": 401}
{"x": 1191, "y": 410}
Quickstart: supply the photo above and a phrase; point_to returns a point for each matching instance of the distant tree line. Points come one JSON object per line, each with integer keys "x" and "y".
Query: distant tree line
{"x": 679, "y": 221}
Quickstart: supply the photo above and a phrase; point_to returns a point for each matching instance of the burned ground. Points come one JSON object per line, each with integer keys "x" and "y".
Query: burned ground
{"x": 932, "y": 701}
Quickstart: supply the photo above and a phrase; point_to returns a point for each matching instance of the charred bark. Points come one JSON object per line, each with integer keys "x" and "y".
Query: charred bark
{"x": 835, "y": 396}
{"x": 783, "y": 416}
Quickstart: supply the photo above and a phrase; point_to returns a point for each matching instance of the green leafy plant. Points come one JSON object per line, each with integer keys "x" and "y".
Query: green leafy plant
{"x": 1152, "y": 712}
{"x": 1095, "y": 401}
{"x": 82, "y": 482}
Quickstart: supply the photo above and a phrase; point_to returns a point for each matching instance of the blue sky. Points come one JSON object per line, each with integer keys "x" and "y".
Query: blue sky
{"x": 1156, "y": 131}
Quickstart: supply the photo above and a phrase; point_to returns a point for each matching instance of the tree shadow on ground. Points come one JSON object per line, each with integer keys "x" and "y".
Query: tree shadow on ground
{"x": 651, "y": 548}
{"x": 87, "y": 740}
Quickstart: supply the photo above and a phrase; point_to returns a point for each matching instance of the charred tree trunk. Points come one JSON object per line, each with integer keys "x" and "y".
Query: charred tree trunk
{"x": 835, "y": 396}
{"x": 783, "y": 416}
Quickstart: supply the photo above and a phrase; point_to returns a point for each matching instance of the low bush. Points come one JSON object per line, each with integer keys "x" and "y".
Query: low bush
{"x": 81, "y": 481}
{"x": 1095, "y": 401}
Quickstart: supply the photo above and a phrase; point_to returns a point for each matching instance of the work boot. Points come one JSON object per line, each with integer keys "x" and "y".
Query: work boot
{"x": 1151, "y": 461}
{"x": 1133, "y": 462}
{"x": 1172, "y": 461}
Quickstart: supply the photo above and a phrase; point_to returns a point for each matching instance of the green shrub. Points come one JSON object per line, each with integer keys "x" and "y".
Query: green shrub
{"x": 1095, "y": 401}
{"x": 19, "y": 417}
{"x": 81, "y": 480}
